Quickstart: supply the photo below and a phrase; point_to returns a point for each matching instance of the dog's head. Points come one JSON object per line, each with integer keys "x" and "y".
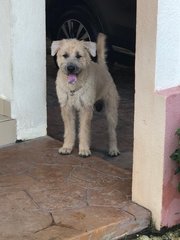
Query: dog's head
{"x": 73, "y": 56}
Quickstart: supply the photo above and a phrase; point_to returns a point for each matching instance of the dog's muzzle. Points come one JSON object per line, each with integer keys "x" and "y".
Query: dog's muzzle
{"x": 72, "y": 72}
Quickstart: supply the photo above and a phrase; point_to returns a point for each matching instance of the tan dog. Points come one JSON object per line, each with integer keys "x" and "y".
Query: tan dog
{"x": 80, "y": 83}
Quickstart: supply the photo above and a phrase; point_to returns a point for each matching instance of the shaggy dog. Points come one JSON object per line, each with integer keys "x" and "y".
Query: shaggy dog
{"x": 80, "y": 83}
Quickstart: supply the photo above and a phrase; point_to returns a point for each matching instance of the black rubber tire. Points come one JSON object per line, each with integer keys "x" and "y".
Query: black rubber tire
{"x": 82, "y": 15}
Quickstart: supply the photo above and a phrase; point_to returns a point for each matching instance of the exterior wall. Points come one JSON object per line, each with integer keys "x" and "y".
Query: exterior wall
{"x": 5, "y": 51}
{"x": 167, "y": 78}
{"x": 168, "y": 45}
{"x": 148, "y": 127}
{"x": 171, "y": 197}
{"x": 156, "y": 114}
{"x": 23, "y": 51}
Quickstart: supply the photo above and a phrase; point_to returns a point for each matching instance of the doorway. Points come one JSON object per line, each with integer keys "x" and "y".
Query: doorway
{"x": 124, "y": 79}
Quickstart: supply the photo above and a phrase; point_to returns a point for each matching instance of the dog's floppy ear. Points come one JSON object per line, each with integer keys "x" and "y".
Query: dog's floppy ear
{"x": 91, "y": 47}
{"x": 55, "y": 46}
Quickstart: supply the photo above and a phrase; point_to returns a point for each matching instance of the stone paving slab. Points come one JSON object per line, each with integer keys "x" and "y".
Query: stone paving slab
{"x": 20, "y": 215}
{"x": 46, "y": 196}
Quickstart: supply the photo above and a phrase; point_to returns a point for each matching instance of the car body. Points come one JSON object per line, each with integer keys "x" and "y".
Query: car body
{"x": 83, "y": 19}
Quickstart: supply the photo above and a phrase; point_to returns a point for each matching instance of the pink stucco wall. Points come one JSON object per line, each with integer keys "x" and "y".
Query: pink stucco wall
{"x": 171, "y": 197}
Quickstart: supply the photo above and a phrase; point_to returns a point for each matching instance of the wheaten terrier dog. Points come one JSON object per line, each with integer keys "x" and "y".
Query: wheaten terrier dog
{"x": 80, "y": 83}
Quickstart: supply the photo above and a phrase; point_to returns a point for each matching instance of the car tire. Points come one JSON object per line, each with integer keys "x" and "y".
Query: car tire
{"x": 78, "y": 23}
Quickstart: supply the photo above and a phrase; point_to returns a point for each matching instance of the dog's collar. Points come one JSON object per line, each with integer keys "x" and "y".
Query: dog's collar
{"x": 72, "y": 92}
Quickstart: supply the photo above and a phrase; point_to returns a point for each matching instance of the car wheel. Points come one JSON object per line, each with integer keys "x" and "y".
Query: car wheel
{"x": 78, "y": 23}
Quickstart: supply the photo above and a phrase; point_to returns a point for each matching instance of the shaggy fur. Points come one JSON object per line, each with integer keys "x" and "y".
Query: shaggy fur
{"x": 91, "y": 82}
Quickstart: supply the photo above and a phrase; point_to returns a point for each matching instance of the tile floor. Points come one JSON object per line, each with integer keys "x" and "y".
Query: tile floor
{"x": 46, "y": 196}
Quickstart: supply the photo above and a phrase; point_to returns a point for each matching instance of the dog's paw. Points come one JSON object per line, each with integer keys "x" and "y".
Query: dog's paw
{"x": 65, "y": 151}
{"x": 114, "y": 152}
{"x": 84, "y": 153}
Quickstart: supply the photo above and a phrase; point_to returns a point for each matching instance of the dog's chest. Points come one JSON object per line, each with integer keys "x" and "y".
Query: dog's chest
{"x": 75, "y": 99}
{"x": 81, "y": 96}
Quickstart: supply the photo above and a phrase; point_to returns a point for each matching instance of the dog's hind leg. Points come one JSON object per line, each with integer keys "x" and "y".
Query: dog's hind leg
{"x": 111, "y": 109}
{"x": 85, "y": 116}
{"x": 68, "y": 116}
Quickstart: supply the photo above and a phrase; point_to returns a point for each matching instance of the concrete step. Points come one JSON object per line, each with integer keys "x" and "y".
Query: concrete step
{"x": 7, "y": 130}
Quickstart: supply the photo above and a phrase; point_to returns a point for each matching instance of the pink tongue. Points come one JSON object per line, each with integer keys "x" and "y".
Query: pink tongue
{"x": 72, "y": 78}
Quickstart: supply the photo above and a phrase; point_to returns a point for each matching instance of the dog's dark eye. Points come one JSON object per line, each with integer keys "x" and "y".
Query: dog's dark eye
{"x": 78, "y": 56}
{"x": 65, "y": 55}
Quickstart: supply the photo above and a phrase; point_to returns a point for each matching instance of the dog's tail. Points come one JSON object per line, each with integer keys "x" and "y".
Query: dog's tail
{"x": 101, "y": 49}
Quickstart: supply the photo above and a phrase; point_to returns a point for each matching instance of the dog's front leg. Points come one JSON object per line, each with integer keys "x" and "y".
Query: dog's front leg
{"x": 84, "y": 131}
{"x": 68, "y": 116}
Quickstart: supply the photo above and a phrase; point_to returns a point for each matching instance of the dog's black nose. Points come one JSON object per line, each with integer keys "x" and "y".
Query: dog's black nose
{"x": 71, "y": 68}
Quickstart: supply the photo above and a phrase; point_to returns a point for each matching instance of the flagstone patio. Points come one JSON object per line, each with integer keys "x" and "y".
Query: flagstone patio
{"x": 47, "y": 196}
